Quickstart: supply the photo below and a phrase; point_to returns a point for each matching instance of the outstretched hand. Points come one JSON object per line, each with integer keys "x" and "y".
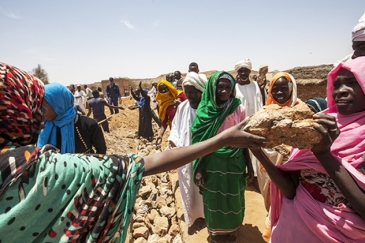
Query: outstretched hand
{"x": 236, "y": 137}
{"x": 327, "y": 126}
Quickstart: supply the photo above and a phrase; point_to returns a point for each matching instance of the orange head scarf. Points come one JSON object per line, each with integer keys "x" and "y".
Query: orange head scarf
{"x": 292, "y": 87}
{"x": 166, "y": 99}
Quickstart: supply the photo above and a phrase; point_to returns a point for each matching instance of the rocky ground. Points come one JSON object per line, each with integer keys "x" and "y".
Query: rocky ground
{"x": 158, "y": 214}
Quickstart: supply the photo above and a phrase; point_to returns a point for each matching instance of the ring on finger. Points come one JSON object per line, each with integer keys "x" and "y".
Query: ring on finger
{"x": 333, "y": 130}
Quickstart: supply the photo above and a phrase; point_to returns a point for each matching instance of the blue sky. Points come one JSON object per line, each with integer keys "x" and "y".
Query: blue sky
{"x": 79, "y": 41}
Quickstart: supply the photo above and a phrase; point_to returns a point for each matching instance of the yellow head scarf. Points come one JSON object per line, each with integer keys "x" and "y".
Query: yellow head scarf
{"x": 292, "y": 88}
{"x": 166, "y": 99}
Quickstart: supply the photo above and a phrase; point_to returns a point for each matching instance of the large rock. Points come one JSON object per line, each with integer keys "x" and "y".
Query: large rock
{"x": 292, "y": 126}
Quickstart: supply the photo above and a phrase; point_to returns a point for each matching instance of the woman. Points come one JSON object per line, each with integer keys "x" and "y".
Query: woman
{"x": 221, "y": 174}
{"x": 168, "y": 99}
{"x": 316, "y": 104}
{"x": 318, "y": 195}
{"x": 64, "y": 128}
{"x": 145, "y": 113}
{"x": 46, "y": 196}
{"x": 283, "y": 92}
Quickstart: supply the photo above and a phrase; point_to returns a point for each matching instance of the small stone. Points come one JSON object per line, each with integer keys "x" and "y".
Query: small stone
{"x": 141, "y": 232}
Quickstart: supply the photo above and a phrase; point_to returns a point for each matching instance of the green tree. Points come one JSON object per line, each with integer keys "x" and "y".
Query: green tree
{"x": 40, "y": 73}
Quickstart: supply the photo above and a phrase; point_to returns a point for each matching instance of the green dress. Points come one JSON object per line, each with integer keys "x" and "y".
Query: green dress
{"x": 224, "y": 170}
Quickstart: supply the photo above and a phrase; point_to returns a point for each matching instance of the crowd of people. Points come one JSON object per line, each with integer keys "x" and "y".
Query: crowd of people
{"x": 57, "y": 183}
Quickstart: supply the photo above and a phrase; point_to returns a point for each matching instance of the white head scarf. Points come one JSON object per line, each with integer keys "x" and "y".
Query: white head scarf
{"x": 244, "y": 63}
{"x": 196, "y": 80}
{"x": 358, "y": 33}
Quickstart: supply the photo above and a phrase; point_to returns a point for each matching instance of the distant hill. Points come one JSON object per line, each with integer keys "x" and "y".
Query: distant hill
{"x": 307, "y": 74}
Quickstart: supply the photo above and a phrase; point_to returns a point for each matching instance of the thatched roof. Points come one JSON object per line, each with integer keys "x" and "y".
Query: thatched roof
{"x": 311, "y": 81}
{"x": 311, "y": 72}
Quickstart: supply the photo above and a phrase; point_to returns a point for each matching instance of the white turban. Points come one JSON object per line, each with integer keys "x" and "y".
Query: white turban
{"x": 196, "y": 80}
{"x": 358, "y": 33}
{"x": 246, "y": 63}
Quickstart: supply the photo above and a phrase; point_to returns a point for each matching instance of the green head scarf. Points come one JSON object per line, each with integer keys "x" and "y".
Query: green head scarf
{"x": 210, "y": 115}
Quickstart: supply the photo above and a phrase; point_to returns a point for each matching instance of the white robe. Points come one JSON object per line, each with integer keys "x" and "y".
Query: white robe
{"x": 180, "y": 134}
{"x": 80, "y": 99}
{"x": 250, "y": 96}
{"x": 251, "y": 99}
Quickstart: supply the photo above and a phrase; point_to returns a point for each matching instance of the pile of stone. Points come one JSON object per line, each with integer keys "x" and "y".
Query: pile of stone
{"x": 155, "y": 218}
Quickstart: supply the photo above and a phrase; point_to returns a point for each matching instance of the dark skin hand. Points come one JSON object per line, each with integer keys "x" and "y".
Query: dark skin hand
{"x": 160, "y": 134}
{"x": 171, "y": 159}
{"x": 327, "y": 126}
{"x": 287, "y": 182}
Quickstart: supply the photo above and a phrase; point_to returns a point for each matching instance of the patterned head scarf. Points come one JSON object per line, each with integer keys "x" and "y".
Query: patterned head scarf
{"x": 62, "y": 102}
{"x": 246, "y": 63}
{"x": 210, "y": 115}
{"x": 20, "y": 106}
{"x": 316, "y": 104}
{"x": 166, "y": 99}
{"x": 358, "y": 33}
{"x": 292, "y": 88}
{"x": 196, "y": 80}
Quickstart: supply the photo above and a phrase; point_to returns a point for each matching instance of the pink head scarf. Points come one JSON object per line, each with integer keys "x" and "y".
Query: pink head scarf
{"x": 349, "y": 148}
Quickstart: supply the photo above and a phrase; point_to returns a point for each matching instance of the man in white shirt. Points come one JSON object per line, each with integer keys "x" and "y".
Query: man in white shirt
{"x": 89, "y": 92}
{"x": 80, "y": 97}
{"x": 252, "y": 98}
{"x": 180, "y": 136}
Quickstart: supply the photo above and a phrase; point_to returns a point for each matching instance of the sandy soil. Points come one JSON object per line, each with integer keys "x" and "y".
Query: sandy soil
{"x": 121, "y": 139}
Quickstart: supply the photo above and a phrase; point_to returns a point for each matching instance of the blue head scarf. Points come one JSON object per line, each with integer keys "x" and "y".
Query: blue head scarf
{"x": 142, "y": 100}
{"x": 62, "y": 101}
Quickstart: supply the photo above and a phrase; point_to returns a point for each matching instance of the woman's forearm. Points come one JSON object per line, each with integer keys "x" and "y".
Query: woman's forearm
{"x": 175, "y": 158}
{"x": 344, "y": 181}
{"x": 283, "y": 180}
{"x": 171, "y": 159}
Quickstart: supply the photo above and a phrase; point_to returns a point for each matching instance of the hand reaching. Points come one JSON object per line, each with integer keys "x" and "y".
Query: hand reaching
{"x": 235, "y": 137}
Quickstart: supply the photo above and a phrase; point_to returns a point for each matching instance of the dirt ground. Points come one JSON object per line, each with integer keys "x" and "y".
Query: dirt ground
{"x": 123, "y": 127}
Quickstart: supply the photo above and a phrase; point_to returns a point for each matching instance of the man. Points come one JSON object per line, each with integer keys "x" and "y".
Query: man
{"x": 113, "y": 93}
{"x": 178, "y": 80}
{"x": 358, "y": 41}
{"x": 358, "y": 38}
{"x": 152, "y": 92}
{"x": 252, "y": 98}
{"x": 170, "y": 78}
{"x": 246, "y": 90}
{"x": 88, "y": 91}
{"x": 193, "y": 67}
{"x": 96, "y": 105}
{"x": 180, "y": 136}
{"x": 80, "y": 97}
